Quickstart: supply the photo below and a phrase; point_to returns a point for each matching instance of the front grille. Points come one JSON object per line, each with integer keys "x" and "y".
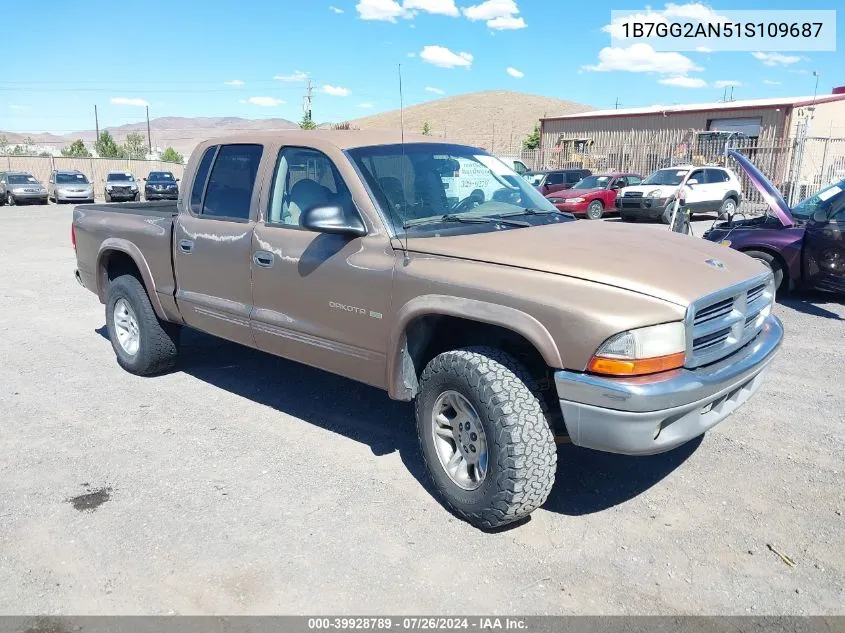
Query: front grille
{"x": 721, "y": 323}
{"x": 633, "y": 194}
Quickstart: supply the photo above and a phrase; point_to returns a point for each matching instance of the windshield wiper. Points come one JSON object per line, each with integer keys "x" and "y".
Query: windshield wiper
{"x": 527, "y": 212}
{"x": 452, "y": 217}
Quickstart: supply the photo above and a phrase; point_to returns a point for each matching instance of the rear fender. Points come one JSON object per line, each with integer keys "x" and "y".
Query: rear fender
{"x": 116, "y": 244}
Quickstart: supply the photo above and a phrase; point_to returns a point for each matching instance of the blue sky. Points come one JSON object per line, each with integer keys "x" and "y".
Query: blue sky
{"x": 248, "y": 60}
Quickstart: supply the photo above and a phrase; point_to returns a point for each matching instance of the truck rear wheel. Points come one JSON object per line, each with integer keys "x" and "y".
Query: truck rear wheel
{"x": 484, "y": 436}
{"x": 144, "y": 344}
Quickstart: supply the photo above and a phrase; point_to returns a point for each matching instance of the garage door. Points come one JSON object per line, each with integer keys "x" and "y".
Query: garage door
{"x": 747, "y": 126}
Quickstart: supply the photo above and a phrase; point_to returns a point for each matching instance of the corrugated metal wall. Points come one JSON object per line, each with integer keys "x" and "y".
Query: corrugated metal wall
{"x": 640, "y": 130}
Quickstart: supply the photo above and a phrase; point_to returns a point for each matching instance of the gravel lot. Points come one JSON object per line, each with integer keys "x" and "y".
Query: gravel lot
{"x": 242, "y": 483}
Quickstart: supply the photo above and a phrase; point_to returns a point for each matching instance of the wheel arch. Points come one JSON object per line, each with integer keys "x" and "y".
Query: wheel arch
{"x": 762, "y": 248}
{"x": 118, "y": 255}
{"x": 419, "y": 322}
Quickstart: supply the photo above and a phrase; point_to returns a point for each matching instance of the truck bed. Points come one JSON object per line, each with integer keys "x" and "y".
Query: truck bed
{"x": 140, "y": 230}
{"x": 157, "y": 208}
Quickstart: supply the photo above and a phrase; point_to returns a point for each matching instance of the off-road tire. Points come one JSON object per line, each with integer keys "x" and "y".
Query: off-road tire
{"x": 522, "y": 455}
{"x": 595, "y": 210}
{"x": 159, "y": 340}
{"x": 773, "y": 262}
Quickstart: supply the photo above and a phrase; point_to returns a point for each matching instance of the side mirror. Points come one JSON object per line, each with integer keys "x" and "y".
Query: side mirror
{"x": 332, "y": 219}
{"x": 692, "y": 181}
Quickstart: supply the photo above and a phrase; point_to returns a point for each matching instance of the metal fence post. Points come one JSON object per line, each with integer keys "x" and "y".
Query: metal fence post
{"x": 824, "y": 160}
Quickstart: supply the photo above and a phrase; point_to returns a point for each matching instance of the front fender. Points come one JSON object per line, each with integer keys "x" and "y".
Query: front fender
{"x": 116, "y": 244}
{"x": 503, "y": 316}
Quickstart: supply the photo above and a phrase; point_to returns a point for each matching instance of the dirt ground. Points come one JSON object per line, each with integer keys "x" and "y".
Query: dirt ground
{"x": 242, "y": 483}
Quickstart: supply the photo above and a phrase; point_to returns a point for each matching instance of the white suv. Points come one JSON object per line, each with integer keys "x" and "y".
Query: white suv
{"x": 709, "y": 189}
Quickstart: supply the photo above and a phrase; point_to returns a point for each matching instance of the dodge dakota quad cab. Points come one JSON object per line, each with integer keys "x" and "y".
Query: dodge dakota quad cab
{"x": 508, "y": 322}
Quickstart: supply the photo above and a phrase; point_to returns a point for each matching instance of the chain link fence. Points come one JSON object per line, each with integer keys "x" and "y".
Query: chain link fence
{"x": 95, "y": 168}
{"x": 796, "y": 166}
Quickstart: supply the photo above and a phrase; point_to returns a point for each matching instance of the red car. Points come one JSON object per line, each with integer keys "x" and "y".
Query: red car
{"x": 593, "y": 195}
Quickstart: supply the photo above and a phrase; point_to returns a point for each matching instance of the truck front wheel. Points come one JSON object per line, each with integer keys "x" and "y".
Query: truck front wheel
{"x": 144, "y": 344}
{"x": 484, "y": 436}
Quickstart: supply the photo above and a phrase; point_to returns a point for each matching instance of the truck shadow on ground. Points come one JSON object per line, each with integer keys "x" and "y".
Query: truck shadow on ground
{"x": 587, "y": 481}
{"x": 807, "y": 302}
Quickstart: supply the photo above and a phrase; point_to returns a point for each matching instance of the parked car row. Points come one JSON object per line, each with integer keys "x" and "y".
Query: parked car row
{"x": 18, "y": 187}
{"x": 708, "y": 189}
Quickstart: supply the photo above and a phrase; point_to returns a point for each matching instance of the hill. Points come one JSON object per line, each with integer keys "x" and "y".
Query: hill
{"x": 497, "y": 120}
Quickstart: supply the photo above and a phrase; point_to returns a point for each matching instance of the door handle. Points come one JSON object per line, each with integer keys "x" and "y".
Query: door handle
{"x": 263, "y": 259}
{"x": 186, "y": 246}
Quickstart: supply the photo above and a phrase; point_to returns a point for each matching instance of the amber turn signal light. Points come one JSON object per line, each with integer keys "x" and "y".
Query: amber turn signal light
{"x": 635, "y": 367}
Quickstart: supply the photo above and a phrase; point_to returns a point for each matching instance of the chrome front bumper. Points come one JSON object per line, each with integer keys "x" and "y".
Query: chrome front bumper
{"x": 652, "y": 414}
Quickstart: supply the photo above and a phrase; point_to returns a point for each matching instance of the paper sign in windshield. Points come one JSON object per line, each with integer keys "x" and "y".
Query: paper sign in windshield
{"x": 827, "y": 194}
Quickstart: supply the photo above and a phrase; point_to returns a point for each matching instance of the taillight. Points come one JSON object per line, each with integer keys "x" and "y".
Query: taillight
{"x": 73, "y": 236}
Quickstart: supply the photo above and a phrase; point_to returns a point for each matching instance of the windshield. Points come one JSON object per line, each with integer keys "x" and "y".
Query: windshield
{"x": 830, "y": 198}
{"x": 21, "y": 179}
{"x": 666, "y": 177}
{"x": 534, "y": 179}
{"x": 120, "y": 178}
{"x": 71, "y": 179}
{"x": 592, "y": 182}
{"x": 427, "y": 181}
{"x": 160, "y": 175}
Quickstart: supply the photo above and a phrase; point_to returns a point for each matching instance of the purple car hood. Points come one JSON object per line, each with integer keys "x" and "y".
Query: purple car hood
{"x": 770, "y": 194}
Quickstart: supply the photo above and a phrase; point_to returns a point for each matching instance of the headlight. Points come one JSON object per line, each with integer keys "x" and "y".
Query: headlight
{"x": 109, "y": 187}
{"x": 576, "y": 200}
{"x": 653, "y": 193}
{"x": 133, "y": 187}
{"x": 642, "y": 351}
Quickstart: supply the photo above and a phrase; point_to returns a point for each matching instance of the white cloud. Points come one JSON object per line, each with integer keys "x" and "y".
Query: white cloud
{"x": 440, "y": 7}
{"x": 642, "y": 58}
{"x": 773, "y": 59}
{"x": 727, "y": 84}
{"x": 444, "y": 58}
{"x": 237, "y": 83}
{"x": 265, "y": 102}
{"x": 703, "y": 49}
{"x": 508, "y": 23}
{"x": 683, "y": 82}
{"x": 693, "y": 11}
{"x": 382, "y": 10}
{"x": 769, "y": 82}
{"x": 366, "y": 105}
{"x": 499, "y": 15}
{"x": 297, "y": 75}
{"x": 433, "y": 90}
{"x": 334, "y": 9}
{"x": 336, "y": 91}
{"x": 134, "y": 101}
{"x": 513, "y": 72}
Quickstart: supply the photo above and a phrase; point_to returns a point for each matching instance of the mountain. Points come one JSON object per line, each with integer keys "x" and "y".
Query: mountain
{"x": 497, "y": 120}
{"x": 181, "y": 133}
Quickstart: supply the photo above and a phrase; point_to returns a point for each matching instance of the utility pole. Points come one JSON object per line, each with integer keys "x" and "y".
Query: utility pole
{"x": 616, "y": 107}
{"x": 96, "y": 125}
{"x": 149, "y": 138}
{"x": 732, "y": 93}
{"x": 306, "y": 100}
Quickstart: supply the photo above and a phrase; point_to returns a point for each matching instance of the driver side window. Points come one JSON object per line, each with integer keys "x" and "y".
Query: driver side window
{"x": 304, "y": 178}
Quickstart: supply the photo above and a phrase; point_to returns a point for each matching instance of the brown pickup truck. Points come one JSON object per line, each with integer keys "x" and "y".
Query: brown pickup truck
{"x": 509, "y": 322}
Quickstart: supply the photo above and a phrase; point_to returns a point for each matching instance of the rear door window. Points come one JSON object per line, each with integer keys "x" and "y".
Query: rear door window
{"x": 554, "y": 179}
{"x": 715, "y": 176}
{"x": 232, "y": 180}
{"x": 573, "y": 176}
{"x": 199, "y": 181}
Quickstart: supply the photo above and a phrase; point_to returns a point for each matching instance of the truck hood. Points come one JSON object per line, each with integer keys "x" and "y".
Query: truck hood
{"x": 659, "y": 263}
{"x": 770, "y": 193}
